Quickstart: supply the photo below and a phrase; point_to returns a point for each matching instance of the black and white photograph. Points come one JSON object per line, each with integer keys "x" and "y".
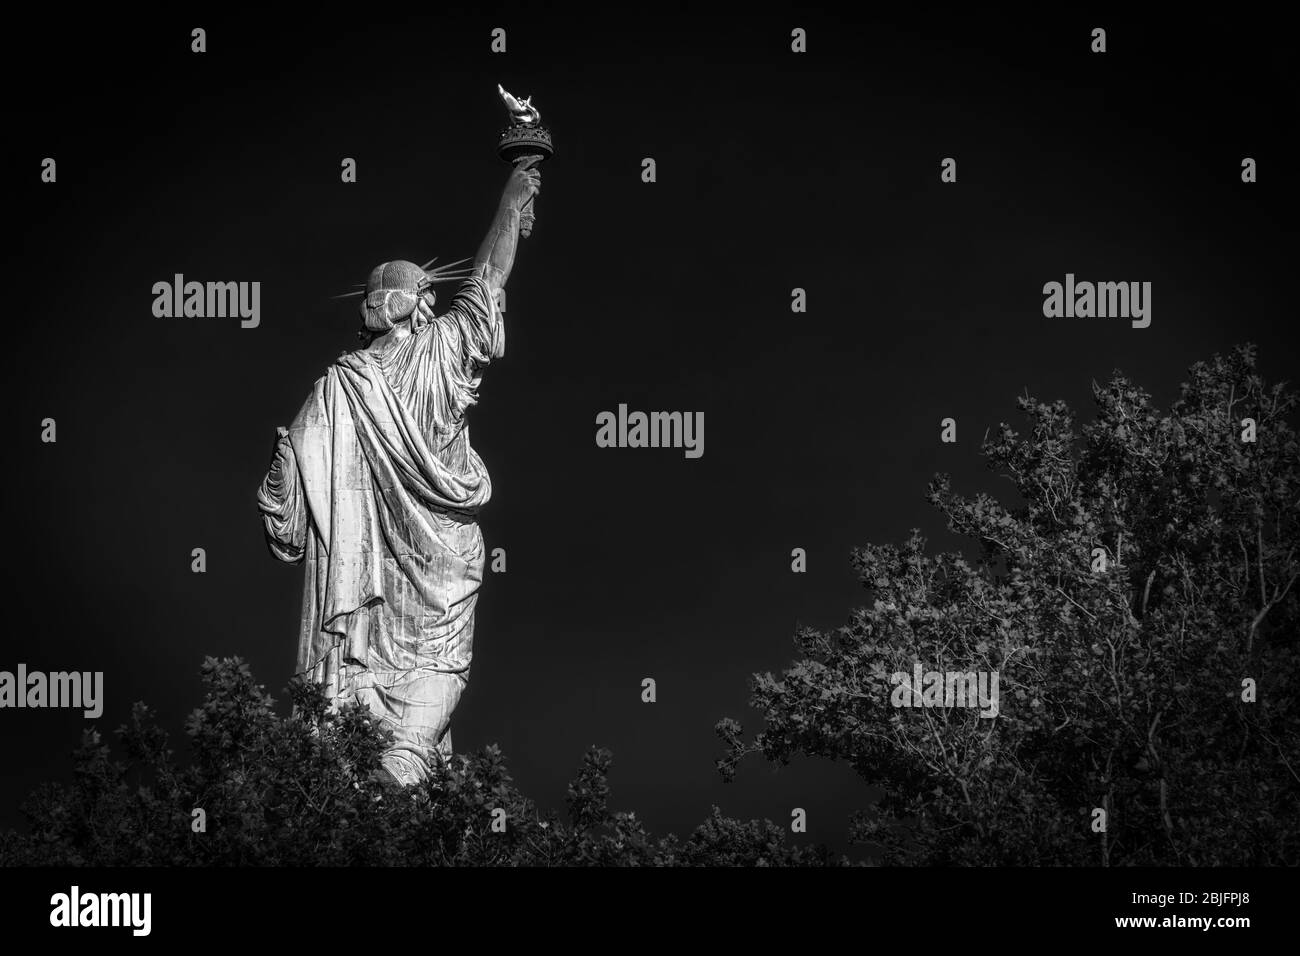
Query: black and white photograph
{"x": 666, "y": 470}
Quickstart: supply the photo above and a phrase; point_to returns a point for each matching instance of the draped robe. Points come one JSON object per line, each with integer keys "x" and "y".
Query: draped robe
{"x": 376, "y": 488}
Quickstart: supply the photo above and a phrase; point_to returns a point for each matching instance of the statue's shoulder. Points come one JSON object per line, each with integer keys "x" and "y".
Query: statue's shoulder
{"x": 353, "y": 359}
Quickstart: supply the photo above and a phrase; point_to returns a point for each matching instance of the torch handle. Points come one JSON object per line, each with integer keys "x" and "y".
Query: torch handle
{"x": 526, "y": 215}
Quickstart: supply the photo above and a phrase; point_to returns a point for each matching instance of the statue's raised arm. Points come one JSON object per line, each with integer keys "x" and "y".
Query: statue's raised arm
{"x": 496, "y": 255}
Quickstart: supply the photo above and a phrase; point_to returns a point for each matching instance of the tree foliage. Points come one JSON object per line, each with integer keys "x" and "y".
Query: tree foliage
{"x": 1121, "y": 689}
{"x": 307, "y": 790}
{"x": 1158, "y": 689}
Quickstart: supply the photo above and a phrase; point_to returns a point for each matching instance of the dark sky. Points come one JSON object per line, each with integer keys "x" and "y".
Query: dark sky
{"x": 775, "y": 170}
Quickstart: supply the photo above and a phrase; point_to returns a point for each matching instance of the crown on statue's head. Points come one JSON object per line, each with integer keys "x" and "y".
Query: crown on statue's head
{"x": 394, "y": 288}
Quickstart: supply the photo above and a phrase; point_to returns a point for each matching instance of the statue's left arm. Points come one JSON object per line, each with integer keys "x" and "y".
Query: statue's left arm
{"x": 281, "y": 503}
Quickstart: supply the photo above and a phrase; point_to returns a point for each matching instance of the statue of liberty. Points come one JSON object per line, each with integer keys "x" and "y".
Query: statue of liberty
{"x": 376, "y": 489}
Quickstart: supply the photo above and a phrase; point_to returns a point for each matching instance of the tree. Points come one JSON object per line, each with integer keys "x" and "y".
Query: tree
{"x": 306, "y": 790}
{"x": 1127, "y": 602}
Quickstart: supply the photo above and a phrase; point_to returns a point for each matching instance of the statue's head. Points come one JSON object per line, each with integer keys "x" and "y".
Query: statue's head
{"x": 393, "y": 293}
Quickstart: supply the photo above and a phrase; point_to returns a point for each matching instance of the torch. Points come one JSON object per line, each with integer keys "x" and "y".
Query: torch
{"x": 525, "y": 138}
